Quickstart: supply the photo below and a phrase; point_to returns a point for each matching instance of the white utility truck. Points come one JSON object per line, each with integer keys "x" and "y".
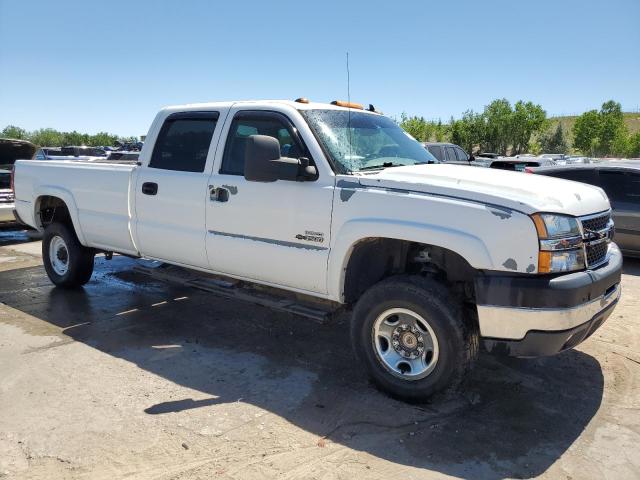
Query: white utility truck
{"x": 337, "y": 204}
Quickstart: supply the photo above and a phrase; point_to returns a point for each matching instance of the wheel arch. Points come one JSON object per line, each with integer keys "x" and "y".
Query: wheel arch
{"x": 363, "y": 243}
{"x": 57, "y": 197}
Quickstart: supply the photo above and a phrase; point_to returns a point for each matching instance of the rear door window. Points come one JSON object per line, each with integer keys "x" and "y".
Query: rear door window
{"x": 451, "y": 154}
{"x": 461, "y": 155}
{"x": 183, "y": 142}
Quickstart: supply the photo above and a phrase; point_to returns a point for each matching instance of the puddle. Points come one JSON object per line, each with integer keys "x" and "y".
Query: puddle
{"x": 10, "y": 236}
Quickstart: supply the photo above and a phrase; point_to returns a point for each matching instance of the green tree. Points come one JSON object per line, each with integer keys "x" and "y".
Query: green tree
{"x": 602, "y": 133}
{"x": 554, "y": 142}
{"x": 48, "y": 137}
{"x": 612, "y": 128}
{"x": 417, "y": 127}
{"x": 526, "y": 119}
{"x": 633, "y": 149}
{"x": 586, "y": 131}
{"x": 468, "y": 131}
{"x": 497, "y": 117}
{"x": 11, "y": 131}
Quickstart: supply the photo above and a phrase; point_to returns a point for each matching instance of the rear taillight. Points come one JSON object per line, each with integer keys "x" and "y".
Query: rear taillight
{"x": 528, "y": 170}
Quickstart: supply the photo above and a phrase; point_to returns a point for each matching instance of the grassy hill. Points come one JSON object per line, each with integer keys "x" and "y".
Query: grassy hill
{"x": 631, "y": 119}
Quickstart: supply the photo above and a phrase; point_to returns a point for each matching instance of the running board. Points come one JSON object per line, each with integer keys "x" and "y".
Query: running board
{"x": 235, "y": 289}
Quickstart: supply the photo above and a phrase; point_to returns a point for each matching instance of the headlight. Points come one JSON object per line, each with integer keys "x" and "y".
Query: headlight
{"x": 561, "y": 246}
{"x": 554, "y": 226}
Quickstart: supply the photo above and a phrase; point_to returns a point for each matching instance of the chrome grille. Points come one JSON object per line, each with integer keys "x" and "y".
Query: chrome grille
{"x": 596, "y": 253}
{"x": 597, "y": 231}
{"x": 597, "y": 222}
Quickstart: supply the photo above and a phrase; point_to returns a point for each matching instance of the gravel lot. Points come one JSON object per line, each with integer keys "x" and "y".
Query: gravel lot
{"x": 135, "y": 378}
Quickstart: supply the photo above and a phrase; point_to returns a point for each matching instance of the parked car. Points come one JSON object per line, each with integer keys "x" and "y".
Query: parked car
{"x": 557, "y": 157}
{"x": 448, "y": 152}
{"x": 433, "y": 258}
{"x": 488, "y": 155}
{"x": 519, "y": 163}
{"x": 621, "y": 182}
{"x": 10, "y": 150}
{"x": 123, "y": 155}
{"x": 70, "y": 153}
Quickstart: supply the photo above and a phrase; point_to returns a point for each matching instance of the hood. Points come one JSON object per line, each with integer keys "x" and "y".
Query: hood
{"x": 524, "y": 192}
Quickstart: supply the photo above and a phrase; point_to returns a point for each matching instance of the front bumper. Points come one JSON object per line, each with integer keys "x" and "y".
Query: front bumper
{"x": 531, "y": 316}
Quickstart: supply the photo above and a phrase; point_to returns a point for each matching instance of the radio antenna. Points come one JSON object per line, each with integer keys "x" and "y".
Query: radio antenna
{"x": 349, "y": 108}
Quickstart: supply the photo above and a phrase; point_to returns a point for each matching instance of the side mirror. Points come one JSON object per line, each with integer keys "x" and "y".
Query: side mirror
{"x": 263, "y": 163}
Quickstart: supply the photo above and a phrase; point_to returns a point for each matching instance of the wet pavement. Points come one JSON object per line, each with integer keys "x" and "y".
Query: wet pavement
{"x": 13, "y": 236}
{"x": 134, "y": 377}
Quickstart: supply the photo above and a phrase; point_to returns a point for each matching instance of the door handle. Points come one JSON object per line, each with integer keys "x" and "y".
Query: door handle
{"x": 219, "y": 194}
{"x": 149, "y": 188}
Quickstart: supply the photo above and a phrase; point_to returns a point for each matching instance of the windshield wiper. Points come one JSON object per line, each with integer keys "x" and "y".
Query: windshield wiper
{"x": 381, "y": 166}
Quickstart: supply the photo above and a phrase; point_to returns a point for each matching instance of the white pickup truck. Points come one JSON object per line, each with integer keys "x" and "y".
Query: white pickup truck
{"x": 336, "y": 202}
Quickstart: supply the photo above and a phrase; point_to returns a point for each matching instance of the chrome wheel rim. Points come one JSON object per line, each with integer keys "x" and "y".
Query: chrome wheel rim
{"x": 59, "y": 255}
{"x": 405, "y": 344}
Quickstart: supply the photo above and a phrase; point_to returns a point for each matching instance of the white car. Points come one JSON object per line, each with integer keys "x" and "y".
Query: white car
{"x": 339, "y": 205}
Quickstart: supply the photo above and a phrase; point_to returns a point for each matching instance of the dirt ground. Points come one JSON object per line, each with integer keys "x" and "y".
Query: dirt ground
{"x": 134, "y": 378}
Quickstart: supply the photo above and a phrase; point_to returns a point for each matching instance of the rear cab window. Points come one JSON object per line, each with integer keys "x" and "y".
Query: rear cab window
{"x": 183, "y": 142}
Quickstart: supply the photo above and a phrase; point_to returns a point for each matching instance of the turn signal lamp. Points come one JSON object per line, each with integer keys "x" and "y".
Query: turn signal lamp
{"x": 561, "y": 246}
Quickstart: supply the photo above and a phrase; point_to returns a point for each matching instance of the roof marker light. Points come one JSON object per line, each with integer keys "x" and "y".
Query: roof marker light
{"x": 342, "y": 103}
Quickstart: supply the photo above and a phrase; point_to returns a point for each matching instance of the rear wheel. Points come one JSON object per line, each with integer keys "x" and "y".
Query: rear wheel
{"x": 67, "y": 263}
{"x": 410, "y": 334}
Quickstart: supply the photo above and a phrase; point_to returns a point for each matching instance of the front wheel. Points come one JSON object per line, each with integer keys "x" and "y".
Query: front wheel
{"x": 410, "y": 334}
{"x": 67, "y": 263}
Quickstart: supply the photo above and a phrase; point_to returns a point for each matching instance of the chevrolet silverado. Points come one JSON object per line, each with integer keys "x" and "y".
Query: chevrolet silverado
{"x": 335, "y": 202}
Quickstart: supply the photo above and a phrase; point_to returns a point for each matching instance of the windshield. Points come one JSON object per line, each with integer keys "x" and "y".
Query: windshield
{"x": 359, "y": 141}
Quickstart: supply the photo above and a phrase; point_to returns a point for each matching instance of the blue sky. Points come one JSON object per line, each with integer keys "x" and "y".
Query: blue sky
{"x": 110, "y": 65}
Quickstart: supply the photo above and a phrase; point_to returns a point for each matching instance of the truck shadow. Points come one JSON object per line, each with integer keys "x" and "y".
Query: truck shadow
{"x": 514, "y": 419}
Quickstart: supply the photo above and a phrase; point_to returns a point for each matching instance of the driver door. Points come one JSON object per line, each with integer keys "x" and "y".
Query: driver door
{"x": 276, "y": 233}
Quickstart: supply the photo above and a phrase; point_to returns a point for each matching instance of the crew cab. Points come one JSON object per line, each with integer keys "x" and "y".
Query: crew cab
{"x": 336, "y": 203}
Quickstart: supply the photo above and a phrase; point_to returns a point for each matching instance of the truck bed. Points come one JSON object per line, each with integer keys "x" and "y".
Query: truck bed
{"x": 101, "y": 192}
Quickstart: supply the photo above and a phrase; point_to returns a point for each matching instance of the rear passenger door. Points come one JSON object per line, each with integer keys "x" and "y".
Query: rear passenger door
{"x": 171, "y": 189}
{"x": 623, "y": 189}
{"x": 278, "y": 232}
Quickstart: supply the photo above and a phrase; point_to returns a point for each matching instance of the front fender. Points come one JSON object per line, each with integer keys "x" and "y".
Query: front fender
{"x": 67, "y": 197}
{"x": 468, "y": 246}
